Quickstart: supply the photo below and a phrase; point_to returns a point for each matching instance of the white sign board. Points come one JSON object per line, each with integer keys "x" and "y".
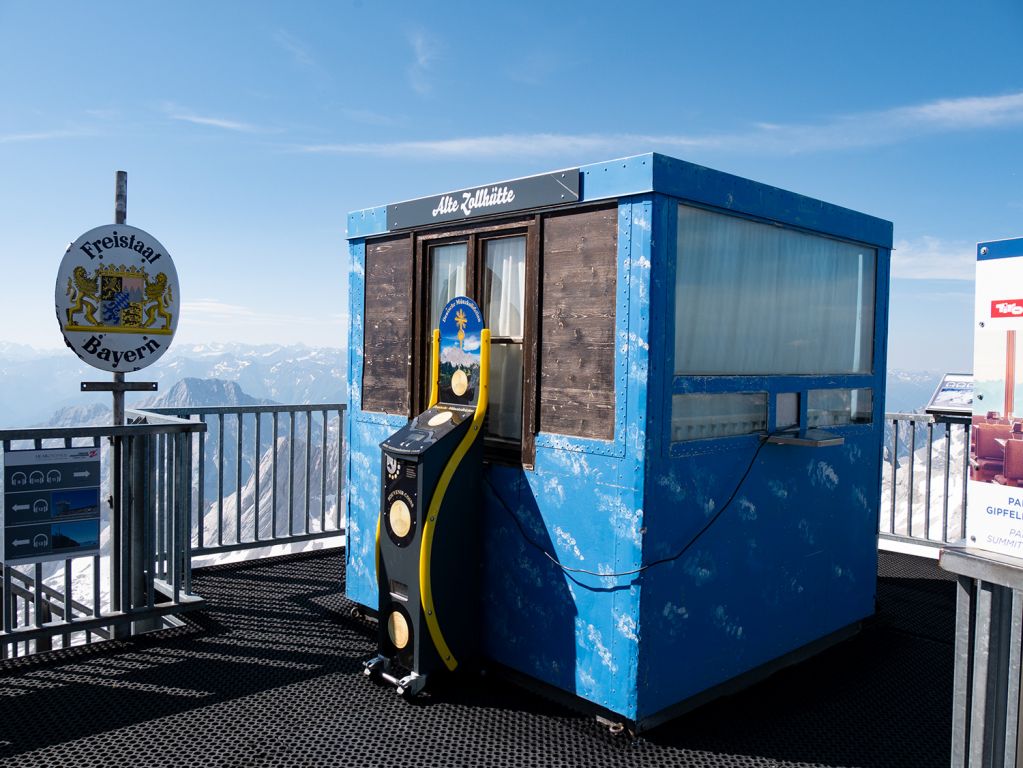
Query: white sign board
{"x": 994, "y": 516}
{"x": 954, "y": 395}
{"x": 117, "y": 298}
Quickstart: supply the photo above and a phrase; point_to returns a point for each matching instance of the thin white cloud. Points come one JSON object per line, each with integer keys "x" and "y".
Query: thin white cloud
{"x": 215, "y": 311}
{"x": 859, "y": 130}
{"x": 296, "y": 48}
{"x": 502, "y": 145}
{"x": 187, "y": 116}
{"x": 968, "y": 112}
{"x": 424, "y": 52}
{"x": 368, "y": 117}
{"x": 11, "y": 138}
{"x": 929, "y": 258}
{"x": 211, "y": 320}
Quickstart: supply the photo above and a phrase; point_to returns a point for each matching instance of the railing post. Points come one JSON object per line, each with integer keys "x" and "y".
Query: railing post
{"x": 910, "y": 480}
{"x": 927, "y": 481}
{"x": 238, "y": 481}
{"x": 152, "y": 518}
{"x": 894, "y": 461}
{"x": 966, "y": 474}
{"x": 948, "y": 474}
{"x": 200, "y": 507}
{"x": 186, "y": 515}
{"x": 257, "y": 460}
{"x": 142, "y": 508}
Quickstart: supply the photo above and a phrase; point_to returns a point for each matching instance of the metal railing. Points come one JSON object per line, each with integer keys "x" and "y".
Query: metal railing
{"x": 923, "y": 485}
{"x": 142, "y": 574}
{"x": 263, "y": 474}
{"x": 986, "y": 711}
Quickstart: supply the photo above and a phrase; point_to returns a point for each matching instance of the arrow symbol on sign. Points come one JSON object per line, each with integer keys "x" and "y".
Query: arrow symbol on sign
{"x": 81, "y": 474}
{"x": 20, "y": 507}
{"x": 19, "y": 542}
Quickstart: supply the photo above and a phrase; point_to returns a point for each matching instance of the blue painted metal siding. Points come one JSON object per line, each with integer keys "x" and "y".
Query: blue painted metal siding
{"x": 696, "y": 183}
{"x": 367, "y": 222}
{"x": 794, "y": 557}
{"x": 583, "y": 503}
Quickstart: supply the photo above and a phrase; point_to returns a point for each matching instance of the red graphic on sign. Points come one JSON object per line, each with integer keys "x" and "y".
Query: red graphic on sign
{"x": 1007, "y": 308}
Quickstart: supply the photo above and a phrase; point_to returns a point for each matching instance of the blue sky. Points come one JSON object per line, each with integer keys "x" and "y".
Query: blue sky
{"x": 249, "y": 130}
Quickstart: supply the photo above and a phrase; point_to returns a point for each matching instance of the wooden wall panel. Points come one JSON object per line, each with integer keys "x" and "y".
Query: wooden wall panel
{"x": 577, "y": 324}
{"x": 388, "y": 326}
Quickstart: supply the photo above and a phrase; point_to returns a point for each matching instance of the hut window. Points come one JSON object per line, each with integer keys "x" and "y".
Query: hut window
{"x": 834, "y": 407}
{"x": 577, "y": 339}
{"x": 387, "y": 328}
{"x": 447, "y": 277}
{"x": 491, "y": 264}
{"x": 698, "y": 416}
{"x": 504, "y": 296}
{"x": 755, "y": 299}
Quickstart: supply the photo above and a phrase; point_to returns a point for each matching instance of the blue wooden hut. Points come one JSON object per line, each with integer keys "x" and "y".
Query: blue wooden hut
{"x": 683, "y": 449}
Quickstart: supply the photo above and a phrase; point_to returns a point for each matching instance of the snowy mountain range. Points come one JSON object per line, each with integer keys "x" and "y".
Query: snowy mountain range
{"x": 909, "y": 391}
{"x": 41, "y": 387}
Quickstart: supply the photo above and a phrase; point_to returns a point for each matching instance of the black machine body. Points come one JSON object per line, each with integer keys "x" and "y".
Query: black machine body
{"x": 414, "y": 458}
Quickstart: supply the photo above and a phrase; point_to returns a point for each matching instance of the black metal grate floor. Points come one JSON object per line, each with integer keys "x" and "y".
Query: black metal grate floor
{"x": 271, "y": 675}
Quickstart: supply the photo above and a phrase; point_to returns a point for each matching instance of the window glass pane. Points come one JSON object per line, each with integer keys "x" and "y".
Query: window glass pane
{"x": 757, "y": 299}
{"x": 504, "y": 412}
{"x": 504, "y": 285}
{"x": 694, "y": 417}
{"x": 447, "y": 277}
{"x": 833, "y": 407}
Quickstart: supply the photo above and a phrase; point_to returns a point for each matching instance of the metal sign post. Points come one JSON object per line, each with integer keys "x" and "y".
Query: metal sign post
{"x": 117, "y": 299}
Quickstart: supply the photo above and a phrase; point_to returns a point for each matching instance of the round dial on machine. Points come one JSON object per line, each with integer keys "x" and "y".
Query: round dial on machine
{"x": 398, "y": 630}
{"x": 400, "y": 518}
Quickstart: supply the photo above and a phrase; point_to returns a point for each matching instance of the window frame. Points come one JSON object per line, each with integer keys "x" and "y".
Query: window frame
{"x": 772, "y": 384}
{"x": 516, "y": 453}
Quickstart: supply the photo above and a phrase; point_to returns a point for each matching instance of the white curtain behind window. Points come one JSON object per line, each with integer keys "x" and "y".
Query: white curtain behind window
{"x": 504, "y": 287}
{"x": 447, "y": 278}
{"x": 505, "y": 281}
{"x": 756, "y": 299}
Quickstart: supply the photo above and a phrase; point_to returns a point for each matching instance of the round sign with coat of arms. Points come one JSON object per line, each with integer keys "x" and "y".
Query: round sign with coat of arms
{"x": 117, "y": 298}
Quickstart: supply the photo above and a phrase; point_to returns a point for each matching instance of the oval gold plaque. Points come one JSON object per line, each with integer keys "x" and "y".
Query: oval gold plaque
{"x": 459, "y": 382}
{"x": 400, "y": 518}
{"x": 397, "y": 630}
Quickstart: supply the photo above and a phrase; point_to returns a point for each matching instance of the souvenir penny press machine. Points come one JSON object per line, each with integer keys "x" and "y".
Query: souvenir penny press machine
{"x": 429, "y": 512}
